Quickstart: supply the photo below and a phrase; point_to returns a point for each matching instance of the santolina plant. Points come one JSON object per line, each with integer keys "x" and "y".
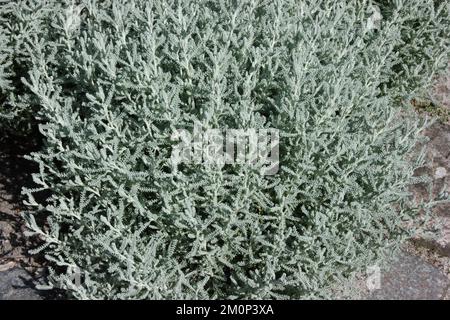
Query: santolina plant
{"x": 110, "y": 82}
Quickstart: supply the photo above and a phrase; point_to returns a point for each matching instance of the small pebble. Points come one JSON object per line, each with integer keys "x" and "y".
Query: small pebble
{"x": 440, "y": 173}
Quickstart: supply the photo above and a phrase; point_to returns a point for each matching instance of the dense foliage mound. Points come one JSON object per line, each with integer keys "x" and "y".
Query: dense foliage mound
{"x": 109, "y": 82}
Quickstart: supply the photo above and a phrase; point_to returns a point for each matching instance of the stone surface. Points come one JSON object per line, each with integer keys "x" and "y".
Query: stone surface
{"x": 18, "y": 269}
{"x": 17, "y": 284}
{"x": 447, "y": 295}
{"x": 437, "y": 167}
{"x": 441, "y": 172}
{"x": 441, "y": 92}
{"x": 410, "y": 278}
{"x": 443, "y": 241}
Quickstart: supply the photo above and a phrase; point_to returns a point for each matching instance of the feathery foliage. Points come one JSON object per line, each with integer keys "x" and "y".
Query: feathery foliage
{"x": 109, "y": 82}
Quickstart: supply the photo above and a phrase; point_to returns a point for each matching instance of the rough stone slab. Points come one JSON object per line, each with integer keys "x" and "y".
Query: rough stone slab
{"x": 441, "y": 92}
{"x": 437, "y": 166}
{"x": 410, "y": 278}
{"x": 447, "y": 294}
{"x": 17, "y": 284}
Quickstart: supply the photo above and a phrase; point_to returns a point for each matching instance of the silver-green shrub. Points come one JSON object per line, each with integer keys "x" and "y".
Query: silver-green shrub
{"x": 110, "y": 81}
{"x": 5, "y": 68}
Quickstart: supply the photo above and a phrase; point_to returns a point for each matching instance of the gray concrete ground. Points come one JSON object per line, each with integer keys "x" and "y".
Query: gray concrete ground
{"x": 18, "y": 284}
{"x": 411, "y": 278}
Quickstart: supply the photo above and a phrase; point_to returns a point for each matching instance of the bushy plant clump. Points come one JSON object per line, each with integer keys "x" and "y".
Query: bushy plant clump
{"x": 5, "y": 64}
{"x": 110, "y": 81}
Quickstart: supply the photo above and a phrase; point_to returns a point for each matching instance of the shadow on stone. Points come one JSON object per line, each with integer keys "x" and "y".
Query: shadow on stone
{"x": 19, "y": 270}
